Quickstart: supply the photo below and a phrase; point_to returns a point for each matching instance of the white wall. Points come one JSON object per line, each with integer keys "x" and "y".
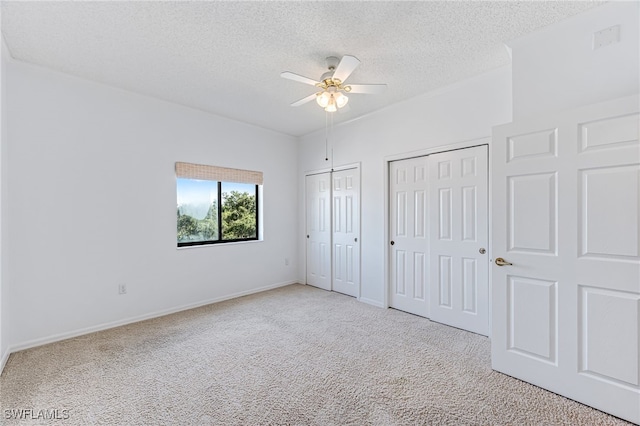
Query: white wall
{"x": 461, "y": 112}
{"x": 92, "y": 202}
{"x": 556, "y": 68}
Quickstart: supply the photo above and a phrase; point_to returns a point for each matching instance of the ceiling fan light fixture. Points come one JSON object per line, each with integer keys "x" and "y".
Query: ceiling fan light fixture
{"x": 323, "y": 98}
{"x": 341, "y": 99}
{"x": 332, "y": 107}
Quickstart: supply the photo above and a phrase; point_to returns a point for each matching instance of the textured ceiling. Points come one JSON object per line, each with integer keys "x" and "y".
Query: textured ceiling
{"x": 226, "y": 57}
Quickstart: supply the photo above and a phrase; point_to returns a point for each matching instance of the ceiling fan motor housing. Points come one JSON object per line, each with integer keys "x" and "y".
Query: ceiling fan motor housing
{"x": 332, "y": 63}
{"x": 326, "y": 76}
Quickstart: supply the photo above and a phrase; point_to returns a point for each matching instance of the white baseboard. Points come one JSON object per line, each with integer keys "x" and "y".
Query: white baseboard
{"x": 68, "y": 335}
{"x": 4, "y": 359}
{"x": 371, "y": 302}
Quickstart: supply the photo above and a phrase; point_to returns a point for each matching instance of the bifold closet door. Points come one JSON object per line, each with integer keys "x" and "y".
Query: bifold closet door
{"x": 346, "y": 232}
{"x": 458, "y": 222}
{"x": 333, "y": 231}
{"x": 438, "y": 237}
{"x": 318, "y": 211}
{"x": 408, "y": 250}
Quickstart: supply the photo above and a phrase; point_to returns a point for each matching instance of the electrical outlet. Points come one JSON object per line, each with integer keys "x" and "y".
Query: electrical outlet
{"x": 122, "y": 289}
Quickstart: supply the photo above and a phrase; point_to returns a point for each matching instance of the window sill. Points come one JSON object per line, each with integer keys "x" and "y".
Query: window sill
{"x": 231, "y": 243}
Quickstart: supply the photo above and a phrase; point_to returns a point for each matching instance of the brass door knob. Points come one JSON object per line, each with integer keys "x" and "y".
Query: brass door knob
{"x": 501, "y": 262}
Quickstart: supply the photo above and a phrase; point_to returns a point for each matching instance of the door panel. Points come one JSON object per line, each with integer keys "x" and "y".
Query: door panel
{"x": 532, "y": 317}
{"x": 532, "y": 213}
{"x": 408, "y": 231}
{"x": 566, "y": 313}
{"x": 459, "y": 231}
{"x": 346, "y": 229}
{"x": 604, "y": 212}
{"x": 319, "y": 230}
{"x": 605, "y": 355}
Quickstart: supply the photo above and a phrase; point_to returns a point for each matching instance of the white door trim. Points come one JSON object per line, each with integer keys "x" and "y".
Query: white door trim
{"x": 484, "y": 140}
{"x": 334, "y": 169}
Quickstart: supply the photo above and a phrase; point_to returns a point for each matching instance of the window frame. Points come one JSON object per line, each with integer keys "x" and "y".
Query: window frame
{"x": 220, "y": 239}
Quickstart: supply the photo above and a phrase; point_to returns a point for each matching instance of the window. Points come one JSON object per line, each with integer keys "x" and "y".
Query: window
{"x": 216, "y": 204}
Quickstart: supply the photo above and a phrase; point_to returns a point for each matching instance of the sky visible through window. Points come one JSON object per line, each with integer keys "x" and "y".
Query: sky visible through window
{"x": 196, "y": 196}
{"x": 193, "y": 191}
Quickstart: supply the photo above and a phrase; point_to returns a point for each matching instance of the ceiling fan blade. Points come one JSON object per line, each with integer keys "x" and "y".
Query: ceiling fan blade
{"x": 298, "y": 78}
{"x": 345, "y": 67}
{"x": 368, "y": 89}
{"x": 304, "y": 100}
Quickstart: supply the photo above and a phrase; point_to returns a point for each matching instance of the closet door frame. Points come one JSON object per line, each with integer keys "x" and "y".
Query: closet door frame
{"x": 339, "y": 168}
{"x": 486, "y": 140}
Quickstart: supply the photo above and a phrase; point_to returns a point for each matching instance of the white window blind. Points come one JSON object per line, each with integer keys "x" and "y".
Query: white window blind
{"x": 215, "y": 173}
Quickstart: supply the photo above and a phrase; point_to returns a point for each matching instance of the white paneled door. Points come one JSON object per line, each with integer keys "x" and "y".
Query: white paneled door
{"x": 566, "y": 247}
{"x": 458, "y": 233}
{"x": 408, "y": 196}
{"x": 346, "y": 231}
{"x": 319, "y": 230}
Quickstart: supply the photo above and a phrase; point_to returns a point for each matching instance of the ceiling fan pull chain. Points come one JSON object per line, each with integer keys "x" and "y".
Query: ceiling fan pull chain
{"x": 326, "y": 136}
{"x": 331, "y": 114}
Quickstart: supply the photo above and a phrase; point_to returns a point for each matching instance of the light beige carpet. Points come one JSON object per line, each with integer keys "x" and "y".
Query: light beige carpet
{"x": 290, "y": 356}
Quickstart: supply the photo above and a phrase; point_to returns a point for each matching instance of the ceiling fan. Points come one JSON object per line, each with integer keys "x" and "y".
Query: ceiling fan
{"x": 332, "y": 85}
